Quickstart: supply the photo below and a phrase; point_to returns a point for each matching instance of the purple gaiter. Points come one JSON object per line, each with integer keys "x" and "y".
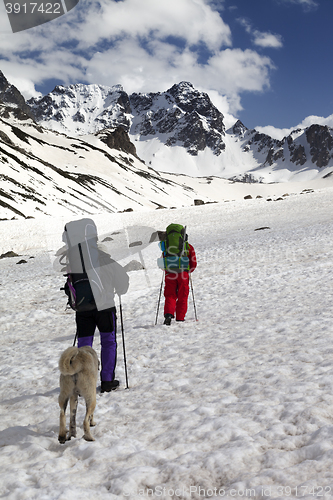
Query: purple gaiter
{"x": 108, "y": 355}
{"x": 109, "y": 352}
{"x": 83, "y": 341}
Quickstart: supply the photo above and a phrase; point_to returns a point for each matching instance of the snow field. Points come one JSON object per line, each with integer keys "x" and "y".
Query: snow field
{"x": 238, "y": 404}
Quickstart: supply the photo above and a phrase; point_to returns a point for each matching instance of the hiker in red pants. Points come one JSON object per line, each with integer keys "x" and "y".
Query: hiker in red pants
{"x": 176, "y": 289}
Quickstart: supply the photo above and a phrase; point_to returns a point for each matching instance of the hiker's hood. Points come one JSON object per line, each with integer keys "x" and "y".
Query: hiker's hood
{"x": 79, "y": 231}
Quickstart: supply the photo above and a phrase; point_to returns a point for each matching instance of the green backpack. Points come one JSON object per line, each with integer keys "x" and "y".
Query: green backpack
{"x": 175, "y": 242}
{"x": 175, "y": 250}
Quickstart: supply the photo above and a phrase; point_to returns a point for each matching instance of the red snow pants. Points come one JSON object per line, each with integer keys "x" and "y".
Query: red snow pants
{"x": 176, "y": 292}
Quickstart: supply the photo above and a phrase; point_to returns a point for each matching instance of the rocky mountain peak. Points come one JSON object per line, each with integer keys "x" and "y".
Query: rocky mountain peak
{"x": 178, "y": 130}
{"x": 3, "y": 82}
{"x": 238, "y": 129}
{"x": 11, "y": 97}
{"x": 321, "y": 144}
{"x": 82, "y": 109}
{"x": 183, "y": 93}
{"x": 181, "y": 116}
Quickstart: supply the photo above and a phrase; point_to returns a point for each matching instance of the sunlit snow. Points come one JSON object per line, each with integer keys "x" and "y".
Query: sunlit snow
{"x": 236, "y": 405}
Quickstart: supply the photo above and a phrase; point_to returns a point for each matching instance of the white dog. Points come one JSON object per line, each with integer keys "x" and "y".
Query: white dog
{"x": 79, "y": 371}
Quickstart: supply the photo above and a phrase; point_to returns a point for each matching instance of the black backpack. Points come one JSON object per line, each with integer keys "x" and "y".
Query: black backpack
{"x": 79, "y": 292}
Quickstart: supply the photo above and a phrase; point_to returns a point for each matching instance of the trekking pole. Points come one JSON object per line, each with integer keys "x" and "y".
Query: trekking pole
{"x": 159, "y": 299}
{"x": 123, "y": 337}
{"x": 195, "y": 309}
{"x": 75, "y": 339}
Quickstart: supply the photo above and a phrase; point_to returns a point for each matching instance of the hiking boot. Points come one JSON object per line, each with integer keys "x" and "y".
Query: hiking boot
{"x": 108, "y": 386}
{"x": 167, "y": 320}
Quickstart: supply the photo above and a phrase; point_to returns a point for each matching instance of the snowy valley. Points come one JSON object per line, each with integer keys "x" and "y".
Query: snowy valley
{"x": 88, "y": 148}
{"x": 238, "y": 404}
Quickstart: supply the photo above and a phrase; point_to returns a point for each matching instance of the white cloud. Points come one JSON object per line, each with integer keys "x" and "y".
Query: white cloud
{"x": 229, "y": 72}
{"x": 26, "y": 86}
{"x": 245, "y": 23}
{"x": 4, "y": 21}
{"x": 280, "y": 133}
{"x": 260, "y": 38}
{"x": 267, "y": 40}
{"x": 320, "y": 120}
{"x": 223, "y": 104}
{"x": 274, "y": 132}
{"x": 306, "y": 4}
{"x": 239, "y": 71}
{"x": 146, "y": 45}
{"x": 191, "y": 20}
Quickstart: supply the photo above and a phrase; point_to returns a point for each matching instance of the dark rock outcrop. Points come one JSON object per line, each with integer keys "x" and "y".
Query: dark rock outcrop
{"x": 11, "y": 97}
{"x": 117, "y": 139}
{"x": 320, "y": 140}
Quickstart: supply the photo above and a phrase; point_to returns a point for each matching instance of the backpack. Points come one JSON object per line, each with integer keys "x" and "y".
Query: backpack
{"x": 79, "y": 293}
{"x": 175, "y": 250}
{"x": 83, "y": 287}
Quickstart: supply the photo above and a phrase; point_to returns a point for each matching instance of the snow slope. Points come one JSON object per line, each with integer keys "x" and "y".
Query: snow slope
{"x": 47, "y": 173}
{"x": 236, "y": 405}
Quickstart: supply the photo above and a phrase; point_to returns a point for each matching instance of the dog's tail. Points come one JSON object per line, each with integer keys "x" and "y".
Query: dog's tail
{"x": 70, "y": 363}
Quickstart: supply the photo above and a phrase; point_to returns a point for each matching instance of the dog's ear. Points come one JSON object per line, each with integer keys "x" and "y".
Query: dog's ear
{"x": 72, "y": 359}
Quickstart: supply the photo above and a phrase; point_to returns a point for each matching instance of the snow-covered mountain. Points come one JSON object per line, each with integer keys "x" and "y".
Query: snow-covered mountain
{"x": 80, "y": 150}
{"x": 303, "y": 154}
{"x": 44, "y": 172}
{"x": 181, "y": 131}
{"x": 11, "y": 99}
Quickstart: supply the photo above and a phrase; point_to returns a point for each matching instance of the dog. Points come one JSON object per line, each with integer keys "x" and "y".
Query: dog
{"x": 78, "y": 377}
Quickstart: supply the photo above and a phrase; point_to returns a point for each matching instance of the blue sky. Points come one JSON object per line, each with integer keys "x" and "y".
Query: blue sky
{"x": 300, "y": 84}
{"x": 267, "y": 62}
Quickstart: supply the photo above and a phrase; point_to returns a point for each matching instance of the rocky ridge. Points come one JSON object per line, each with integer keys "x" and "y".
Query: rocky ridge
{"x": 308, "y": 149}
{"x": 12, "y": 101}
{"x": 162, "y": 125}
{"x": 181, "y": 116}
{"x": 80, "y": 148}
{"x": 47, "y": 173}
